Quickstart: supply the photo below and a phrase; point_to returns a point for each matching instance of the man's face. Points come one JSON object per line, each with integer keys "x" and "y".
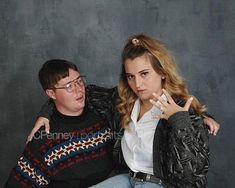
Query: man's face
{"x": 69, "y": 102}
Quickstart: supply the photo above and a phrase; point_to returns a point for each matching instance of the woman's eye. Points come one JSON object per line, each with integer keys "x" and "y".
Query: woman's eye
{"x": 144, "y": 74}
{"x": 129, "y": 77}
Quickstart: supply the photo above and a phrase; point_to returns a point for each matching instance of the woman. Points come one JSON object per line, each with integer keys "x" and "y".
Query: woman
{"x": 165, "y": 143}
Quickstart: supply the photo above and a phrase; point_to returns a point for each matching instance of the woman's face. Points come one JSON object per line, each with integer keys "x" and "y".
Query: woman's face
{"x": 142, "y": 78}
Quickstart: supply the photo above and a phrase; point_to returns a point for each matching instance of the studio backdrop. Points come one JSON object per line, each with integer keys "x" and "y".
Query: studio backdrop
{"x": 91, "y": 33}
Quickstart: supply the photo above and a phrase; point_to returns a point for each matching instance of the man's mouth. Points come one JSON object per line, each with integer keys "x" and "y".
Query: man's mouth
{"x": 79, "y": 98}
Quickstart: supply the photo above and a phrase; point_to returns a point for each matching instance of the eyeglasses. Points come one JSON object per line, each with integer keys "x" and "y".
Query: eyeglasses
{"x": 70, "y": 87}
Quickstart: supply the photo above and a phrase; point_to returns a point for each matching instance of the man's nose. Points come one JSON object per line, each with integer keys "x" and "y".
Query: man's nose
{"x": 77, "y": 87}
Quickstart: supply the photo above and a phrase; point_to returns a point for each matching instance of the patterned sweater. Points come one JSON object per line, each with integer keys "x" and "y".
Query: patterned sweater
{"x": 76, "y": 153}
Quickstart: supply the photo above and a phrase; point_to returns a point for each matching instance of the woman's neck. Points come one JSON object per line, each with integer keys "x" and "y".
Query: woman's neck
{"x": 145, "y": 106}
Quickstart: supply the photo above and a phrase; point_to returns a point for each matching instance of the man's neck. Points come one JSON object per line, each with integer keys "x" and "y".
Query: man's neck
{"x": 67, "y": 113}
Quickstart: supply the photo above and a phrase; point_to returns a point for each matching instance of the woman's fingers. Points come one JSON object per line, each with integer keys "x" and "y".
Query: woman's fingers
{"x": 188, "y": 103}
{"x": 169, "y": 98}
{"x": 156, "y": 103}
{"x": 30, "y": 137}
{"x": 217, "y": 127}
{"x": 47, "y": 126}
{"x": 162, "y": 101}
{"x": 212, "y": 124}
{"x": 160, "y": 116}
{"x": 41, "y": 121}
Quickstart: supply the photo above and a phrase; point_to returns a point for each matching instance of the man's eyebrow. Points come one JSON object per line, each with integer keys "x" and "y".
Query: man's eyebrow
{"x": 72, "y": 80}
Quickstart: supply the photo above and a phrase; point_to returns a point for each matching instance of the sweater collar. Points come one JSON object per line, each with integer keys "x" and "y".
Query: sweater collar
{"x": 65, "y": 118}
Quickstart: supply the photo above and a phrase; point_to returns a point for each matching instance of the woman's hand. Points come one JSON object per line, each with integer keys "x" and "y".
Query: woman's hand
{"x": 212, "y": 124}
{"x": 41, "y": 121}
{"x": 169, "y": 107}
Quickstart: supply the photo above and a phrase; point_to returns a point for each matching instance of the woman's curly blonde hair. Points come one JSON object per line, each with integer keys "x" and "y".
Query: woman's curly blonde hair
{"x": 163, "y": 63}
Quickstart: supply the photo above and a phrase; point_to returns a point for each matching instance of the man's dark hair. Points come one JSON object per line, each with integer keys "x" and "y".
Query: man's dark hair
{"x": 54, "y": 70}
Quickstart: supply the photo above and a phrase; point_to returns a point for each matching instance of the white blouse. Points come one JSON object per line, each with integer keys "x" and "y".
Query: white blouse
{"x": 137, "y": 141}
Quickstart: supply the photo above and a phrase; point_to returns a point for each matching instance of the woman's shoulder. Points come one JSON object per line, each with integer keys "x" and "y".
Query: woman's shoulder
{"x": 100, "y": 98}
{"x": 97, "y": 91}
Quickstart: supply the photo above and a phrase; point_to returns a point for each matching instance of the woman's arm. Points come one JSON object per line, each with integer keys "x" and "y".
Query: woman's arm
{"x": 188, "y": 143}
{"x": 189, "y": 148}
{"x": 41, "y": 121}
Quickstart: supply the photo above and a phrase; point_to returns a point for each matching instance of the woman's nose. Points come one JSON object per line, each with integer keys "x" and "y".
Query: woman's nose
{"x": 138, "y": 82}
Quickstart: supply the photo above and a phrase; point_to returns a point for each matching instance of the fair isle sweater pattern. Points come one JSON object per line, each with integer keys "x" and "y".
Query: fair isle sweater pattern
{"x": 28, "y": 171}
{"x": 76, "y": 146}
{"x": 67, "y": 151}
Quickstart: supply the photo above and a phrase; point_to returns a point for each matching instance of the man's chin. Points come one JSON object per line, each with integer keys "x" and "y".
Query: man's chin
{"x": 81, "y": 105}
{"x": 79, "y": 109}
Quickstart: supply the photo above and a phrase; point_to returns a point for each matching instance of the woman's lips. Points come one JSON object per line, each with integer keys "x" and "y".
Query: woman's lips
{"x": 141, "y": 90}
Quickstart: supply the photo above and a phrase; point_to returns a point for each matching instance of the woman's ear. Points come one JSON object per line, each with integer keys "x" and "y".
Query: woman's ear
{"x": 163, "y": 76}
{"x": 50, "y": 93}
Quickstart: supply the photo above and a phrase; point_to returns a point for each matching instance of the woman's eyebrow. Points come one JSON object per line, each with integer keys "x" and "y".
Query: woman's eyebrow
{"x": 143, "y": 70}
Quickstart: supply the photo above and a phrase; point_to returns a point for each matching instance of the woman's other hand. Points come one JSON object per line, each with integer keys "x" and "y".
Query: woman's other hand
{"x": 212, "y": 124}
{"x": 41, "y": 121}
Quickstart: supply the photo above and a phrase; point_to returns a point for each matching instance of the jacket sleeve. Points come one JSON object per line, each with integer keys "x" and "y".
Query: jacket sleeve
{"x": 47, "y": 109}
{"x": 30, "y": 170}
{"x": 101, "y": 98}
{"x": 102, "y": 101}
{"x": 189, "y": 147}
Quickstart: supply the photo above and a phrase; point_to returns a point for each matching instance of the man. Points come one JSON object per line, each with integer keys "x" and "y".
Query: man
{"x": 77, "y": 151}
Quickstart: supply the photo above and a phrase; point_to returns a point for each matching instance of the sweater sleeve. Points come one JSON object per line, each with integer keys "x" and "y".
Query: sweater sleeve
{"x": 189, "y": 145}
{"x": 30, "y": 170}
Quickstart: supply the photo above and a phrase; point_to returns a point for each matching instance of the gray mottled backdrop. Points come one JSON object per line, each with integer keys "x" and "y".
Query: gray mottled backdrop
{"x": 91, "y": 33}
